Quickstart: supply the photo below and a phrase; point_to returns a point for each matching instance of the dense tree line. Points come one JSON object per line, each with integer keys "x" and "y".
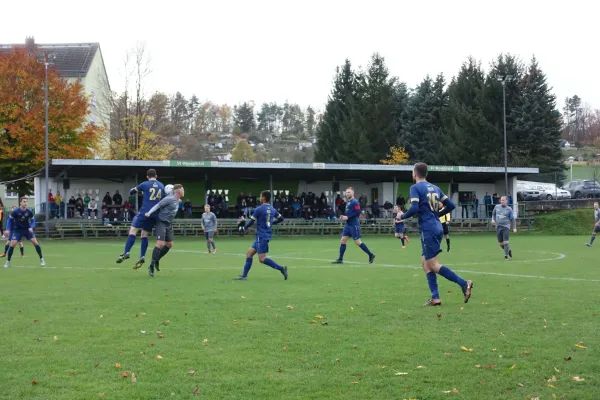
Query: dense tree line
{"x": 446, "y": 123}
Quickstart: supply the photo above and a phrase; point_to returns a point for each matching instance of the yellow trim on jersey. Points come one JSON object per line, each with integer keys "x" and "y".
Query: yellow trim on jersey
{"x": 252, "y": 217}
{"x": 445, "y": 218}
{"x": 444, "y": 198}
{"x": 414, "y": 199}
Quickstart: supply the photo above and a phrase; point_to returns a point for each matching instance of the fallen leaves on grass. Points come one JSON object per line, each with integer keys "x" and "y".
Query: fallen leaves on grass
{"x": 290, "y": 307}
{"x": 568, "y": 358}
{"x": 314, "y": 321}
{"x": 526, "y": 352}
{"x": 577, "y": 379}
{"x": 35, "y": 320}
{"x": 455, "y": 390}
{"x": 133, "y": 378}
{"x": 205, "y": 341}
{"x": 351, "y": 308}
{"x": 100, "y": 394}
{"x": 125, "y": 374}
{"x": 381, "y": 302}
{"x": 167, "y": 322}
{"x": 556, "y": 369}
{"x": 318, "y": 316}
{"x": 196, "y": 391}
{"x": 96, "y": 364}
{"x": 401, "y": 373}
{"x": 101, "y": 316}
{"x": 243, "y": 297}
{"x": 439, "y": 316}
{"x": 520, "y": 385}
{"x": 354, "y": 346}
{"x": 447, "y": 354}
{"x": 355, "y": 383}
{"x": 191, "y": 372}
{"x": 464, "y": 348}
{"x": 490, "y": 366}
{"x": 551, "y": 386}
{"x": 285, "y": 348}
{"x": 580, "y": 345}
{"x": 420, "y": 366}
{"x": 38, "y": 340}
{"x": 159, "y": 357}
{"x": 55, "y": 337}
{"x": 494, "y": 350}
{"x": 34, "y": 382}
{"x": 118, "y": 365}
{"x": 477, "y": 365}
{"x": 553, "y": 379}
{"x": 513, "y": 366}
{"x": 72, "y": 373}
{"x": 160, "y": 335}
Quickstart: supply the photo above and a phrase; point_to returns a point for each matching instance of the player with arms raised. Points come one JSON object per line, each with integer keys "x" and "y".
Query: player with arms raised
{"x": 399, "y": 226}
{"x": 265, "y": 217}
{"x": 425, "y": 200}
{"x": 352, "y": 227}
{"x": 153, "y": 191}
{"x": 22, "y": 223}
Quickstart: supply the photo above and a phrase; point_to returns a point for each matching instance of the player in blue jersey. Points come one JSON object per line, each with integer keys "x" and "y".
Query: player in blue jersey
{"x": 20, "y": 225}
{"x": 153, "y": 191}
{"x": 352, "y": 227}
{"x": 265, "y": 217}
{"x": 399, "y": 227}
{"x": 425, "y": 200}
{"x": 7, "y": 246}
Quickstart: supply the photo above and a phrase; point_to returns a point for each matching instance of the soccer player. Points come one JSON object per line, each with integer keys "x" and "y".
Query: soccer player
{"x": 352, "y": 227}
{"x": 425, "y": 200}
{"x": 399, "y": 226}
{"x": 503, "y": 217}
{"x": 167, "y": 209}
{"x": 21, "y": 222}
{"x": 8, "y": 241}
{"x": 265, "y": 217}
{"x": 209, "y": 226}
{"x": 596, "y": 224}
{"x": 445, "y": 220}
{"x": 153, "y": 191}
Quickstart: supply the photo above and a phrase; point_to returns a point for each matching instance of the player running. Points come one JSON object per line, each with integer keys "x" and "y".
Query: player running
{"x": 399, "y": 226}
{"x": 503, "y": 217}
{"x": 265, "y": 217}
{"x": 167, "y": 210}
{"x": 425, "y": 200}
{"x": 22, "y": 222}
{"x": 209, "y": 226}
{"x": 596, "y": 224}
{"x": 153, "y": 191}
{"x": 352, "y": 227}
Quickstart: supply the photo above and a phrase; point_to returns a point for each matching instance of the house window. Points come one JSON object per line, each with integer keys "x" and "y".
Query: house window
{"x": 10, "y": 195}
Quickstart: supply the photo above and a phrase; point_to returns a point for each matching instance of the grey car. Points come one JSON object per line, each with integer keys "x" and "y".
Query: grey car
{"x": 581, "y": 189}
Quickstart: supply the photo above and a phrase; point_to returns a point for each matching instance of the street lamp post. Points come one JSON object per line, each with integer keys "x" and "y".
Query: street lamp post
{"x": 47, "y": 60}
{"x": 504, "y": 79}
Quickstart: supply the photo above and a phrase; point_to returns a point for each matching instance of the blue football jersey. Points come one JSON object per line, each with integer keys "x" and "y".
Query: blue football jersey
{"x": 429, "y": 197}
{"x": 153, "y": 192}
{"x": 352, "y": 212}
{"x": 264, "y": 216}
{"x": 21, "y": 219}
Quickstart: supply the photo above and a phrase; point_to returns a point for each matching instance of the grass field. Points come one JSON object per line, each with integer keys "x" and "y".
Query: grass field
{"x": 79, "y": 328}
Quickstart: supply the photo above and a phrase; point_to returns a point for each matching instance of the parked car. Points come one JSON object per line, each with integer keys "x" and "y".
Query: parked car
{"x": 526, "y": 192}
{"x": 551, "y": 192}
{"x": 580, "y": 189}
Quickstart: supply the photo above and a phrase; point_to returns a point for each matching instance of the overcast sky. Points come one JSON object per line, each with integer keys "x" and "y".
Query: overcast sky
{"x": 273, "y": 50}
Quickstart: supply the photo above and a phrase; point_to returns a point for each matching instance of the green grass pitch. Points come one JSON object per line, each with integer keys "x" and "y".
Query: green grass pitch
{"x": 79, "y": 328}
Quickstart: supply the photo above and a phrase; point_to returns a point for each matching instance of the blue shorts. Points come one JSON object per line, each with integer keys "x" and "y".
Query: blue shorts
{"x": 399, "y": 228}
{"x": 352, "y": 231}
{"x": 142, "y": 222}
{"x": 430, "y": 242}
{"x": 261, "y": 246}
{"x": 20, "y": 234}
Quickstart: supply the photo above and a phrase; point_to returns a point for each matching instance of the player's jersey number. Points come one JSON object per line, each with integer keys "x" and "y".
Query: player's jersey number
{"x": 155, "y": 194}
{"x": 434, "y": 201}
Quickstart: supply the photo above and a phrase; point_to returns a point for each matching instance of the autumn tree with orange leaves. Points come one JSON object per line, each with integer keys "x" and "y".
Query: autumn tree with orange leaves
{"x": 396, "y": 156}
{"x": 22, "y": 119}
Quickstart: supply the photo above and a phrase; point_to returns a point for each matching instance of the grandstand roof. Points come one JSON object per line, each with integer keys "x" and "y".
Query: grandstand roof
{"x": 190, "y": 170}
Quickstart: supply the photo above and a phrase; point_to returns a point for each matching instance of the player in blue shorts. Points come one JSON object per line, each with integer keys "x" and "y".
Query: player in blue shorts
{"x": 153, "y": 191}
{"x": 399, "y": 227}
{"x": 425, "y": 200}
{"x": 265, "y": 217}
{"x": 352, "y": 227}
{"x": 21, "y": 222}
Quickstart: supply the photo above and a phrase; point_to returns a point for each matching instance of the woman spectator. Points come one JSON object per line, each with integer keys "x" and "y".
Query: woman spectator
{"x": 107, "y": 199}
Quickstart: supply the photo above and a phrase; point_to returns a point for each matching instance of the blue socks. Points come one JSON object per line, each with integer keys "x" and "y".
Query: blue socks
{"x": 451, "y": 276}
{"x": 433, "y": 287}
{"x": 273, "y": 264}
{"x": 39, "y": 250}
{"x": 143, "y": 246}
{"x": 10, "y": 252}
{"x": 365, "y": 249}
{"x": 402, "y": 240}
{"x": 8, "y": 245}
{"x": 247, "y": 266}
{"x": 129, "y": 243}
{"x": 342, "y": 251}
